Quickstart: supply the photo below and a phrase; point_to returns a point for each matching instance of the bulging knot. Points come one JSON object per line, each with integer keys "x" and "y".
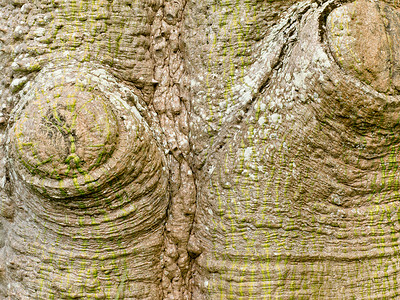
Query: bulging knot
{"x": 364, "y": 37}
{"x": 75, "y": 133}
{"x": 65, "y": 133}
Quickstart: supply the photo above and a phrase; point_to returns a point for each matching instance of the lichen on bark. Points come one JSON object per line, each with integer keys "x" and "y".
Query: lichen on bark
{"x": 179, "y": 149}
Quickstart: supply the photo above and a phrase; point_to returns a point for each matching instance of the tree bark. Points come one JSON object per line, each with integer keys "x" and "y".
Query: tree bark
{"x": 199, "y": 149}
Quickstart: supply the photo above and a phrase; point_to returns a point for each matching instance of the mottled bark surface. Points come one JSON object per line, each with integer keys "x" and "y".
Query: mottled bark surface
{"x": 199, "y": 149}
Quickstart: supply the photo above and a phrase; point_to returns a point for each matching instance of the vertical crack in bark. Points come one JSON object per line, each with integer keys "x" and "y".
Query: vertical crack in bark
{"x": 171, "y": 104}
{"x": 277, "y": 245}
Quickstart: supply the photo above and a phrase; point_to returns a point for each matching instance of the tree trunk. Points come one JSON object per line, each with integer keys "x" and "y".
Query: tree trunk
{"x": 209, "y": 149}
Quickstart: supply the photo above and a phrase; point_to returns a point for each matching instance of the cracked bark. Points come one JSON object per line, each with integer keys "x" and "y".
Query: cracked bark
{"x": 185, "y": 149}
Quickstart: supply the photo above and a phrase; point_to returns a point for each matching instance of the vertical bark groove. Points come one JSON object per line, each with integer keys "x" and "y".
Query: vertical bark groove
{"x": 181, "y": 149}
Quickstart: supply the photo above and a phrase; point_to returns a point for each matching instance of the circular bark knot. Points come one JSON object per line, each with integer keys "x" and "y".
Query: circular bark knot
{"x": 65, "y": 133}
{"x": 93, "y": 177}
{"x": 75, "y": 136}
{"x": 364, "y": 37}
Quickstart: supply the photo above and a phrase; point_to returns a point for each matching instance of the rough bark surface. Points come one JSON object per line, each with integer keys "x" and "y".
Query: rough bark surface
{"x": 181, "y": 149}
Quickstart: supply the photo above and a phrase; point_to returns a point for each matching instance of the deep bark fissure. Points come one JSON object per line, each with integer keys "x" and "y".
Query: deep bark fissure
{"x": 235, "y": 150}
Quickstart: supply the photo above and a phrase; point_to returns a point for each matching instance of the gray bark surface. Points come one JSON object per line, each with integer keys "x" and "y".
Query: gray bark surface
{"x": 212, "y": 149}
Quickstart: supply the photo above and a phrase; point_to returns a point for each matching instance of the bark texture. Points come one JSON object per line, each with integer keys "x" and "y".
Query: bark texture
{"x": 185, "y": 149}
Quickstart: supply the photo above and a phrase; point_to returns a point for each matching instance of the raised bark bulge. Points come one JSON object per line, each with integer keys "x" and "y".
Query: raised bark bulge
{"x": 199, "y": 149}
{"x": 93, "y": 185}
